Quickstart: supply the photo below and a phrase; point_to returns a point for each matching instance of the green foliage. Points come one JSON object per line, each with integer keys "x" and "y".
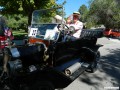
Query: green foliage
{"x": 17, "y": 22}
{"x": 25, "y": 7}
{"x": 84, "y": 13}
{"x": 101, "y": 12}
{"x": 106, "y": 12}
{"x": 90, "y": 23}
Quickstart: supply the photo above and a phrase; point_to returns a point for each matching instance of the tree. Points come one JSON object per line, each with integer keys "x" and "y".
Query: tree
{"x": 25, "y": 7}
{"x": 105, "y": 12}
{"x": 17, "y": 22}
{"x": 84, "y": 13}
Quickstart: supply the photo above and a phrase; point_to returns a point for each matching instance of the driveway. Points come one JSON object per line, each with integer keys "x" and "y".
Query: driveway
{"x": 107, "y": 77}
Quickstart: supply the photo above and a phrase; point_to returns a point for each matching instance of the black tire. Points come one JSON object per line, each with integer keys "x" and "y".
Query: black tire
{"x": 87, "y": 54}
{"x": 93, "y": 40}
{"x": 94, "y": 65}
{"x": 42, "y": 85}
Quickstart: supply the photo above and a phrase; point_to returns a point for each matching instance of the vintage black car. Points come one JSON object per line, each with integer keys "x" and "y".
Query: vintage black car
{"x": 49, "y": 63}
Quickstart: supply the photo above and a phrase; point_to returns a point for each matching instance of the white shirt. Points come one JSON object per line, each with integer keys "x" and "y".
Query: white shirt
{"x": 78, "y": 26}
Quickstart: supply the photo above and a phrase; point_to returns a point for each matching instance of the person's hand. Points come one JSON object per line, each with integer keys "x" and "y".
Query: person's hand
{"x": 69, "y": 21}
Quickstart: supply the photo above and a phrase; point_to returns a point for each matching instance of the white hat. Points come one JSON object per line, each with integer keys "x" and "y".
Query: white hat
{"x": 76, "y": 13}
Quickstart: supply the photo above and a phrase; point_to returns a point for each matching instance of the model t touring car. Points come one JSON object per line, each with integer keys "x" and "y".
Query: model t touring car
{"x": 47, "y": 62}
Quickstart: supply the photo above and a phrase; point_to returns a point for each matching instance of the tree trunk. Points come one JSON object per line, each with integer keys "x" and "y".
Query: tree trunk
{"x": 29, "y": 18}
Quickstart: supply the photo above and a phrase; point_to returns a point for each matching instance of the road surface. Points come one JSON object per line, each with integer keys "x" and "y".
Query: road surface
{"x": 107, "y": 77}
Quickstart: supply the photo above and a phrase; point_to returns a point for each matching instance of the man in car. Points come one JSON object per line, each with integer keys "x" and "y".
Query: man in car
{"x": 78, "y": 26}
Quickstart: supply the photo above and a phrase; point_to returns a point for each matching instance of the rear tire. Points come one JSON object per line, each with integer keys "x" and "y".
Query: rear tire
{"x": 94, "y": 65}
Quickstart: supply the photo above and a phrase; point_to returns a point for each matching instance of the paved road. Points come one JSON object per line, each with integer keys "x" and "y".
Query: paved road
{"x": 108, "y": 74}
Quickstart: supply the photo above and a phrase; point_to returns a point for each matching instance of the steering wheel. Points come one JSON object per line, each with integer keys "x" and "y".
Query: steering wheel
{"x": 71, "y": 30}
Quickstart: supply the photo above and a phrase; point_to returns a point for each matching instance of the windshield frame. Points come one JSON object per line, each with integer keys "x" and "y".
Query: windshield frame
{"x": 47, "y": 14}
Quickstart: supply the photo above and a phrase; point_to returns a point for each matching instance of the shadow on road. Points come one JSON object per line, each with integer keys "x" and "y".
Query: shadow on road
{"x": 111, "y": 64}
{"x": 91, "y": 80}
{"x": 109, "y": 67}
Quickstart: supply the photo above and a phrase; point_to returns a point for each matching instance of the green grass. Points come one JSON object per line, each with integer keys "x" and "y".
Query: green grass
{"x": 19, "y": 34}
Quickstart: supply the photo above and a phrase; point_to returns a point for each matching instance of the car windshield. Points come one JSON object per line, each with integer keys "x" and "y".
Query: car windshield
{"x": 45, "y": 15}
{"x": 44, "y": 23}
{"x": 43, "y": 27}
